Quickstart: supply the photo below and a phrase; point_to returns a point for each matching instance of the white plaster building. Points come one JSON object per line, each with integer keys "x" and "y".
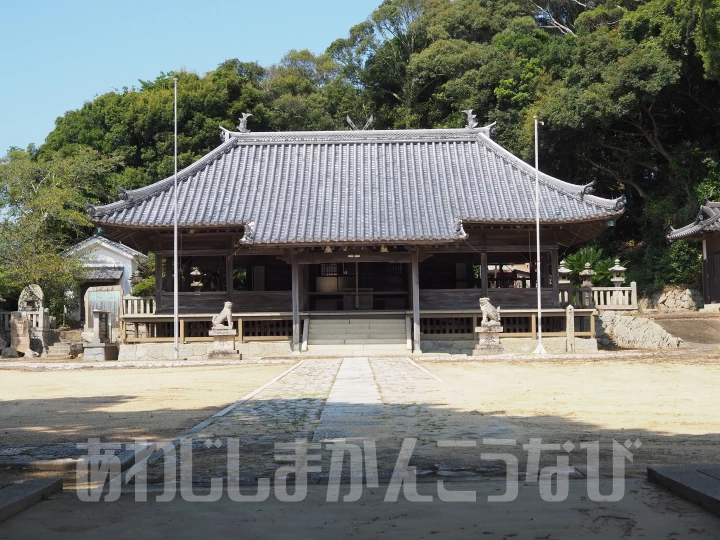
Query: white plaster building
{"x": 106, "y": 262}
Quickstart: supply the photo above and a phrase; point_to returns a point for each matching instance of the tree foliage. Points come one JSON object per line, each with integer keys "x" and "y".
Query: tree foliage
{"x": 628, "y": 89}
{"x": 42, "y": 204}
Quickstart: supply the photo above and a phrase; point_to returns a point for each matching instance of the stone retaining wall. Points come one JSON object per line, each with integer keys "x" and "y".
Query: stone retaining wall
{"x": 672, "y": 298}
{"x": 198, "y": 351}
{"x": 615, "y": 328}
{"x": 553, "y": 345}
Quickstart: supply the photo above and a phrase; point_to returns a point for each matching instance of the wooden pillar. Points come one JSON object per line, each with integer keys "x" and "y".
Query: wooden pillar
{"x": 158, "y": 282}
{"x": 295, "y": 345}
{"x": 229, "y": 276}
{"x": 416, "y": 302}
{"x": 168, "y": 275}
{"x": 469, "y": 276}
{"x": 181, "y": 337}
{"x": 533, "y": 325}
{"x": 305, "y": 303}
{"x": 484, "y": 273}
{"x": 555, "y": 276}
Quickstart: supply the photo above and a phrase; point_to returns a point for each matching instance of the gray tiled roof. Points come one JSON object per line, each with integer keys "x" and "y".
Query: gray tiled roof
{"x": 707, "y": 221}
{"x": 104, "y": 273}
{"x": 356, "y": 186}
{"x": 97, "y": 238}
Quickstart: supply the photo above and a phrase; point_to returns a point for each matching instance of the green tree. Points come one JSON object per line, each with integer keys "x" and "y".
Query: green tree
{"x": 42, "y": 203}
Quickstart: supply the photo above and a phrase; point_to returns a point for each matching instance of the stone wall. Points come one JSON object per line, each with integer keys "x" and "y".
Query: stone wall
{"x": 198, "y": 351}
{"x": 616, "y": 328}
{"x": 671, "y": 299}
{"x": 554, "y": 345}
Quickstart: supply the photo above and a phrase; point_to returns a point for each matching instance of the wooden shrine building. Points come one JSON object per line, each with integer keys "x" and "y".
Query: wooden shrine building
{"x": 706, "y": 228}
{"x": 296, "y": 228}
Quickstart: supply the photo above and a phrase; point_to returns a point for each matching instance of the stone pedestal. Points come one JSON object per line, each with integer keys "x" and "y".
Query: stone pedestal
{"x": 100, "y": 348}
{"x": 488, "y": 340}
{"x": 19, "y": 333}
{"x": 94, "y": 352}
{"x": 224, "y": 344}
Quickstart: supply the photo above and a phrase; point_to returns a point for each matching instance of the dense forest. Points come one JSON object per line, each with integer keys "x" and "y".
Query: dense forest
{"x": 628, "y": 91}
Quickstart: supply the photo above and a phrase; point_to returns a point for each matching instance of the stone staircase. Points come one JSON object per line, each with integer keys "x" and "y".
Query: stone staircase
{"x": 357, "y": 337}
{"x": 66, "y": 346}
{"x": 59, "y": 351}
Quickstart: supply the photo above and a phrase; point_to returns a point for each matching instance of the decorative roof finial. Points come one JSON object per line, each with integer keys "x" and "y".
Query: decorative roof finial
{"x": 242, "y": 126}
{"x": 588, "y": 189}
{"x": 355, "y": 128}
{"x": 471, "y": 122}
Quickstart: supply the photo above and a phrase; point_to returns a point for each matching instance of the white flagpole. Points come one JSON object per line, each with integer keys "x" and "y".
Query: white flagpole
{"x": 175, "y": 240}
{"x": 540, "y": 349}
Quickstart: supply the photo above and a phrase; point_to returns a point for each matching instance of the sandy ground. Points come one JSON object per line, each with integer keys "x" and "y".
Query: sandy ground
{"x": 118, "y": 404}
{"x": 672, "y": 405}
{"x": 646, "y": 512}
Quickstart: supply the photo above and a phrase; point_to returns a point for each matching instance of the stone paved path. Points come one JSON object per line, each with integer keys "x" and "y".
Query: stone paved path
{"x": 384, "y": 400}
{"x": 354, "y": 402}
{"x": 288, "y": 410}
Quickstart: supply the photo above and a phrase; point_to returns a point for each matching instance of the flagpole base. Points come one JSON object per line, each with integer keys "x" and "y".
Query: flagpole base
{"x": 540, "y": 349}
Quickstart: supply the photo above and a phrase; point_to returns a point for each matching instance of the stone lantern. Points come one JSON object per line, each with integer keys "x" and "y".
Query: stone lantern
{"x": 564, "y": 272}
{"x": 196, "y": 284}
{"x": 587, "y": 276}
{"x": 564, "y": 285}
{"x": 135, "y": 279}
{"x": 617, "y": 279}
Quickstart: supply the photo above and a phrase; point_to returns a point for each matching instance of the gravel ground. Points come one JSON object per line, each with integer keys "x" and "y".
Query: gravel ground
{"x": 118, "y": 404}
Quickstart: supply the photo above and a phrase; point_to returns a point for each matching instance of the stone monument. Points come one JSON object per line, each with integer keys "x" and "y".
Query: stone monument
{"x": 223, "y": 335}
{"x": 101, "y": 346}
{"x": 19, "y": 332}
{"x": 489, "y": 330}
{"x": 31, "y": 305}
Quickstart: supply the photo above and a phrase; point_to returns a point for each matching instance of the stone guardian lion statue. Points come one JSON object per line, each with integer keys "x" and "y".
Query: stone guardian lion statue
{"x": 225, "y": 316}
{"x": 490, "y": 313}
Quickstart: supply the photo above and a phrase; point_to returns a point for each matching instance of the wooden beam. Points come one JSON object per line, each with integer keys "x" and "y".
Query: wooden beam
{"x": 555, "y": 276}
{"x": 158, "y": 282}
{"x": 416, "y": 302}
{"x": 295, "y": 305}
{"x": 504, "y": 248}
{"x": 229, "y": 276}
{"x": 484, "y": 273}
{"x": 533, "y": 325}
{"x": 346, "y": 257}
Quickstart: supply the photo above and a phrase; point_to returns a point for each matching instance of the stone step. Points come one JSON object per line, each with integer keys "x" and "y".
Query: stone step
{"x": 390, "y": 341}
{"x": 363, "y": 325}
{"x": 377, "y": 341}
{"x": 361, "y": 346}
{"x": 354, "y": 334}
{"x": 59, "y": 347}
{"x": 357, "y": 350}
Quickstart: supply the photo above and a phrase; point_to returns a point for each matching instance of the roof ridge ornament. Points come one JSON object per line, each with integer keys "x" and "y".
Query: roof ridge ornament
{"x": 472, "y": 123}
{"x": 249, "y": 233}
{"x": 587, "y": 189}
{"x": 459, "y": 229}
{"x": 364, "y": 128}
{"x": 242, "y": 126}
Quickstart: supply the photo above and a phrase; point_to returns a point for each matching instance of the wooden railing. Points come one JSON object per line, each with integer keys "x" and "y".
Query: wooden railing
{"x": 607, "y": 298}
{"x": 139, "y": 305}
{"x": 36, "y": 319}
{"x": 195, "y": 328}
{"x": 449, "y": 325}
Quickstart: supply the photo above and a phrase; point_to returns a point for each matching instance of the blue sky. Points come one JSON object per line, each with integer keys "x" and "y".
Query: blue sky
{"x": 58, "y": 54}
